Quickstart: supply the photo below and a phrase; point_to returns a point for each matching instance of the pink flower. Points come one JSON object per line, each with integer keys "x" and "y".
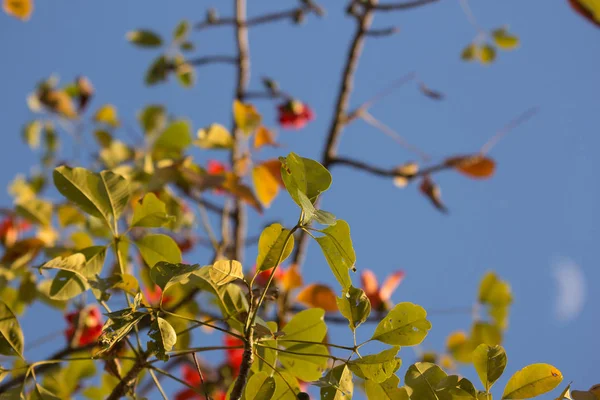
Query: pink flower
{"x": 294, "y": 114}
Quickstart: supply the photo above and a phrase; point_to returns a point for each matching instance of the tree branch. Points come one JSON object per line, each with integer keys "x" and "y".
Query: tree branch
{"x": 364, "y": 22}
{"x": 403, "y": 6}
{"x": 387, "y": 173}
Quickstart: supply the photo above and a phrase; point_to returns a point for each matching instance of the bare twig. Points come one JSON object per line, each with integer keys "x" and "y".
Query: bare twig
{"x": 262, "y": 19}
{"x": 197, "y": 364}
{"x": 383, "y": 32}
{"x": 403, "y": 6}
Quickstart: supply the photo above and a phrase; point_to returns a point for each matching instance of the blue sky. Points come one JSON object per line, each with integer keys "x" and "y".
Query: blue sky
{"x": 539, "y": 206}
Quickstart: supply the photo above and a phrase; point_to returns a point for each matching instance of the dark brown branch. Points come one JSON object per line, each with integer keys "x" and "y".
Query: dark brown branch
{"x": 364, "y": 22}
{"x": 383, "y": 32}
{"x": 127, "y": 382}
{"x": 403, "y": 6}
{"x": 387, "y": 173}
{"x": 197, "y": 62}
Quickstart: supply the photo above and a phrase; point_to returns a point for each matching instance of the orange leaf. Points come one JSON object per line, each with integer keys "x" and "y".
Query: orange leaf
{"x": 369, "y": 282}
{"x": 20, "y": 9}
{"x": 321, "y": 296}
{"x": 234, "y": 187}
{"x": 246, "y": 117}
{"x": 265, "y": 184}
{"x": 292, "y": 278}
{"x": 473, "y": 166}
{"x": 264, "y": 137}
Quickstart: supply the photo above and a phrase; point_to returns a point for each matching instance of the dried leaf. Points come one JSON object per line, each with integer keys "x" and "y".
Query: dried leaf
{"x": 433, "y": 192}
{"x": 319, "y": 296}
{"x": 473, "y": 166}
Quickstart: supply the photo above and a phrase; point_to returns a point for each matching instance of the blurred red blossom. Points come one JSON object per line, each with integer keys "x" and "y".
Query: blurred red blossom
{"x": 86, "y": 323}
{"x": 294, "y": 114}
{"x": 380, "y": 297}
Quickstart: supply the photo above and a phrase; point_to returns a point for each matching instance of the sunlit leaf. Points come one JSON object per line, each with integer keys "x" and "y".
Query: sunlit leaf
{"x": 304, "y": 175}
{"x": 186, "y": 75}
{"x": 275, "y": 244}
{"x": 144, "y": 38}
{"x": 387, "y": 390}
{"x": 175, "y": 138}
{"x": 504, "y": 39}
{"x": 307, "y": 325}
{"x": 404, "y": 325}
{"x": 532, "y": 381}
{"x": 225, "y": 271}
{"x": 32, "y": 133}
{"x": 163, "y": 338}
{"x": 107, "y": 114}
{"x": 376, "y": 367}
{"x": 11, "y": 336}
{"x": 320, "y": 296}
{"x": 337, "y": 248}
{"x": 215, "y": 136}
{"x": 486, "y": 53}
{"x": 421, "y": 380}
{"x": 304, "y": 360}
{"x": 489, "y": 363}
{"x": 286, "y": 386}
{"x": 264, "y": 137}
{"x": 355, "y": 306}
{"x": 151, "y": 213}
{"x": 181, "y": 31}
{"x": 153, "y": 119}
{"x": 260, "y": 386}
{"x": 35, "y": 210}
{"x": 158, "y": 247}
{"x": 120, "y": 323}
{"x": 341, "y": 387}
{"x": 246, "y": 117}
{"x": 267, "y": 181}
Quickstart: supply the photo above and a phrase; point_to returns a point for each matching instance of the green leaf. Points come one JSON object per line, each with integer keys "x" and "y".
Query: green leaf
{"x": 307, "y": 325}
{"x": 32, "y": 132}
{"x": 35, "y": 210}
{"x": 355, "y": 306}
{"x": 504, "y": 39}
{"x": 404, "y": 325}
{"x": 163, "y": 337}
{"x": 11, "y": 336}
{"x": 176, "y": 137}
{"x": 225, "y": 271}
{"x": 39, "y": 393}
{"x": 260, "y": 386}
{"x": 341, "y": 387}
{"x": 304, "y": 360}
{"x": 387, "y": 390}
{"x": 376, "y": 367}
{"x": 421, "y": 380}
{"x": 304, "y": 175}
{"x": 144, "y": 38}
{"x": 454, "y": 388}
{"x": 153, "y": 119}
{"x": 337, "y": 248}
{"x": 186, "y": 75}
{"x": 267, "y": 353}
{"x": 165, "y": 274}
{"x": 489, "y": 362}
{"x": 83, "y": 188}
{"x": 271, "y": 246}
{"x": 532, "y": 381}
{"x": 70, "y": 280}
{"x": 158, "y": 247}
{"x": 494, "y": 291}
{"x": 69, "y": 215}
{"x": 486, "y": 53}
{"x": 157, "y": 72}
{"x": 151, "y": 213}
{"x": 215, "y": 136}
{"x": 311, "y": 213}
{"x": 484, "y": 332}
{"x": 181, "y": 30}
{"x": 117, "y": 191}
{"x": 120, "y": 323}
{"x": 286, "y": 386}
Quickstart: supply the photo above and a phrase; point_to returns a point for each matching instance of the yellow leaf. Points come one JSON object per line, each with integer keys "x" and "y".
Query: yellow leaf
{"x": 320, "y": 296}
{"x": 504, "y": 39}
{"x": 107, "y": 114}
{"x": 292, "y": 278}
{"x": 264, "y": 137}
{"x": 589, "y": 9}
{"x": 246, "y": 117}
{"x": 267, "y": 180}
{"x": 20, "y": 9}
{"x": 215, "y": 136}
{"x": 486, "y": 54}
{"x": 59, "y": 102}
{"x": 234, "y": 187}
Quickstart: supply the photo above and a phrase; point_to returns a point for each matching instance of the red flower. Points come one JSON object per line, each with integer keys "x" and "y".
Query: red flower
{"x": 186, "y": 244}
{"x": 294, "y": 114}
{"x": 263, "y": 276}
{"x": 153, "y": 296}
{"x": 214, "y": 167}
{"x": 380, "y": 297}
{"x": 234, "y": 356}
{"x": 87, "y": 323}
{"x": 11, "y": 228}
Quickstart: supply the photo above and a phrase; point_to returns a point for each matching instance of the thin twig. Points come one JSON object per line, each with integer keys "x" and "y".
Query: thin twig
{"x": 201, "y": 376}
{"x": 403, "y": 6}
{"x": 261, "y": 19}
{"x": 158, "y": 386}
